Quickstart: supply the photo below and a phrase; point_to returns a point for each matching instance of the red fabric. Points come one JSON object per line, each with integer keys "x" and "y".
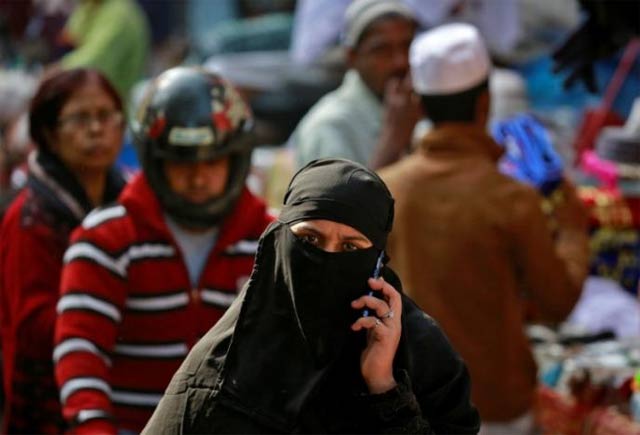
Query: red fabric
{"x": 609, "y": 208}
{"x": 634, "y": 207}
{"x": 140, "y": 241}
{"x": 558, "y": 413}
{"x": 31, "y": 250}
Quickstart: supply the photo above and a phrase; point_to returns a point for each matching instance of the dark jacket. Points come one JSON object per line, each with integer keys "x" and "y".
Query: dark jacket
{"x": 432, "y": 395}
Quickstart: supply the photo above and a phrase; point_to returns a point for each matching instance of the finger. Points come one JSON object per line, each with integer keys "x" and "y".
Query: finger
{"x": 405, "y": 86}
{"x": 407, "y": 83}
{"x": 415, "y": 101}
{"x": 379, "y": 306}
{"x": 389, "y": 293}
{"x": 368, "y": 323}
{"x": 392, "y": 87}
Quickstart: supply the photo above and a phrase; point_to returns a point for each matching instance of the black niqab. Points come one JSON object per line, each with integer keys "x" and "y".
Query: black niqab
{"x": 293, "y": 326}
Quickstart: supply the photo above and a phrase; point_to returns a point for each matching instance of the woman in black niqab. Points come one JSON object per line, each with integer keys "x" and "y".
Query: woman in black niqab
{"x": 295, "y": 354}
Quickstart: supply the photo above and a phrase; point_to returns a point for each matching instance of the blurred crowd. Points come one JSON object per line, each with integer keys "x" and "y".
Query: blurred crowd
{"x": 485, "y": 151}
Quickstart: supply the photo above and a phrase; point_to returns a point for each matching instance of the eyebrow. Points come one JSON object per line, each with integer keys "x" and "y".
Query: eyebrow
{"x": 309, "y": 228}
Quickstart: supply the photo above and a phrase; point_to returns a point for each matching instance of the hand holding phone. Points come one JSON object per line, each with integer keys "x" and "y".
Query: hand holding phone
{"x": 383, "y": 330}
{"x": 376, "y": 274}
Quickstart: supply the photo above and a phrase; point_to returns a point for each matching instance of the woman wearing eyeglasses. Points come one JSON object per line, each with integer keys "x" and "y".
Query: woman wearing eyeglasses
{"x": 76, "y": 122}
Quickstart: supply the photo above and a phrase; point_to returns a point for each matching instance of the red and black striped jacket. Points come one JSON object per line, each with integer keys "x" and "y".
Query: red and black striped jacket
{"x": 127, "y": 313}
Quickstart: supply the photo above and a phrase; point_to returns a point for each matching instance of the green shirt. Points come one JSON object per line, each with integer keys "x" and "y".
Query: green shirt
{"x": 112, "y": 36}
{"x": 345, "y": 123}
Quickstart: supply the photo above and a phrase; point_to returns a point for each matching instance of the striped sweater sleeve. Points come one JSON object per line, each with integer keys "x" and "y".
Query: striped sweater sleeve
{"x": 93, "y": 291}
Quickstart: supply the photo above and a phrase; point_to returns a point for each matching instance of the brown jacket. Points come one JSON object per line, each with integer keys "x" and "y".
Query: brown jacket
{"x": 471, "y": 246}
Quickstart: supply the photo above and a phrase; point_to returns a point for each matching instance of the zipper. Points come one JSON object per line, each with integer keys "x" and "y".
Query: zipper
{"x": 195, "y": 295}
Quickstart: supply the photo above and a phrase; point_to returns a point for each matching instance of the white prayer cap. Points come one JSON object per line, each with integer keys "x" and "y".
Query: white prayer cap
{"x": 448, "y": 59}
{"x": 361, "y": 13}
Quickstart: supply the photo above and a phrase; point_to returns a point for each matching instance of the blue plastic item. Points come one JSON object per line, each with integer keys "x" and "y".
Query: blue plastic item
{"x": 127, "y": 161}
{"x": 529, "y": 154}
{"x": 551, "y": 376}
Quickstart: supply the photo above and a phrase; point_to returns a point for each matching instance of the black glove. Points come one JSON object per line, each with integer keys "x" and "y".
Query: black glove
{"x": 609, "y": 26}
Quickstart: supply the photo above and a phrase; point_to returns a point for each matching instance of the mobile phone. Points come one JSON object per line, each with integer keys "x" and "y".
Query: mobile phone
{"x": 376, "y": 274}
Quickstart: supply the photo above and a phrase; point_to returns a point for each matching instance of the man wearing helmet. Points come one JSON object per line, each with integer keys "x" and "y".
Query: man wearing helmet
{"x": 146, "y": 277}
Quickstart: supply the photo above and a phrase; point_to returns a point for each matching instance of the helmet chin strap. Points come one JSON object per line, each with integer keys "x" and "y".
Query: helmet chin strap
{"x": 199, "y": 216}
{"x": 212, "y": 212}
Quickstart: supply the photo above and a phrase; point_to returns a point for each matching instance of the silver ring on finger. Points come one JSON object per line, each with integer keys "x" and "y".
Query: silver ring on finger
{"x": 388, "y": 315}
{"x": 378, "y": 322}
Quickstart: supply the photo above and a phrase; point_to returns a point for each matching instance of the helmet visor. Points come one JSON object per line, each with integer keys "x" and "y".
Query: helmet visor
{"x": 202, "y": 146}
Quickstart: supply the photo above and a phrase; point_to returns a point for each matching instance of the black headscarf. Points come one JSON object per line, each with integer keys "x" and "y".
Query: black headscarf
{"x": 293, "y": 327}
{"x": 341, "y": 191}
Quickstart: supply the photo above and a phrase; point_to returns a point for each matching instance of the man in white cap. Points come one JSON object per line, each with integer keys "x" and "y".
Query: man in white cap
{"x": 370, "y": 118}
{"x": 473, "y": 245}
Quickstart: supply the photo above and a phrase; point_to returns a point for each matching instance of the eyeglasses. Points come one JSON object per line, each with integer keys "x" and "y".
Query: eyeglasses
{"x": 83, "y": 120}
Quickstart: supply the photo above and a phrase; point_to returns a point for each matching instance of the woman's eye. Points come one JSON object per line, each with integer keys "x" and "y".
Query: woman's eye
{"x": 310, "y": 239}
{"x": 348, "y": 247}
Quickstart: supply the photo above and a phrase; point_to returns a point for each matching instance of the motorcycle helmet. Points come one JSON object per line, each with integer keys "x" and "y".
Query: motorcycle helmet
{"x": 192, "y": 115}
